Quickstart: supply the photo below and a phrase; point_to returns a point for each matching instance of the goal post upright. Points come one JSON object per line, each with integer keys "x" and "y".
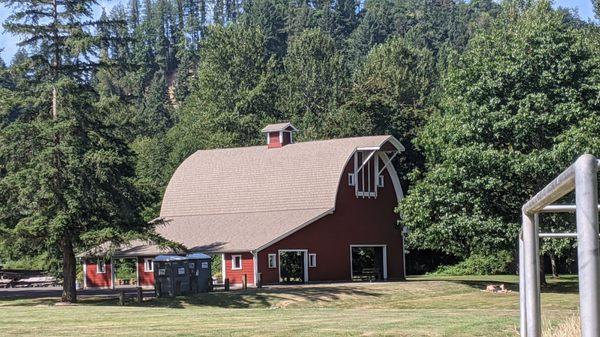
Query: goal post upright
{"x": 582, "y": 177}
{"x": 586, "y": 201}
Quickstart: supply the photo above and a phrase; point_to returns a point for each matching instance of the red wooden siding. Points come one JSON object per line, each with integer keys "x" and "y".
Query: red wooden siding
{"x": 355, "y": 221}
{"x": 97, "y": 280}
{"x": 235, "y": 275}
{"x": 274, "y": 140}
{"x": 146, "y": 279}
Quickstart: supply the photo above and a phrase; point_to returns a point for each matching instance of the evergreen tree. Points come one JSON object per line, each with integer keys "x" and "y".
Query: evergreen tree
{"x": 232, "y": 96}
{"x": 433, "y": 24}
{"x": 65, "y": 179}
{"x": 270, "y": 16}
{"x": 338, "y": 18}
{"x": 195, "y": 19}
{"x": 218, "y": 15}
{"x": 160, "y": 27}
{"x": 153, "y": 172}
{"x": 301, "y": 15}
{"x": 154, "y": 115}
{"x": 7, "y": 94}
{"x": 202, "y": 8}
{"x": 134, "y": 13}
{"x": 380, "y": 20}
{"x": 231, "y": 10}
{"x": 314, "y": 82}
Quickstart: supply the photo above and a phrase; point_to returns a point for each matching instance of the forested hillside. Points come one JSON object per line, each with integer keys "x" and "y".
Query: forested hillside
{"x": 490, "y": 99}
{"x": 202, "y": 75}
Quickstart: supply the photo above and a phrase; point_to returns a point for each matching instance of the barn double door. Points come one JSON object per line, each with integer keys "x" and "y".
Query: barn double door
{"x": 368, "y": 262}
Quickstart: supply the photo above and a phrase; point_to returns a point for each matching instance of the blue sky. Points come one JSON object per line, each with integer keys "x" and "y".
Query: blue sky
{"x": 8, "y": 42}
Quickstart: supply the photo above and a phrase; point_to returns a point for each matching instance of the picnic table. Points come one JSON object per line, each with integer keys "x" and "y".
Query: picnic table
{"x": 25, "y": 278}
{"x": 6, "y": 283}
{"x": 39, "y": 281}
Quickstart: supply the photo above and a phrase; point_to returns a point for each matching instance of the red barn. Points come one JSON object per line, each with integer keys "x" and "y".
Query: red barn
{"x": 287, "y": 212}
{"x": 309, "y": 211}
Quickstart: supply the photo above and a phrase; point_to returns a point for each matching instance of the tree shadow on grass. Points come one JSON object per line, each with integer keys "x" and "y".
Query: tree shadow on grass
{"x": 32, "y": 297}
{"x": 267, "y": 297}
{"x": 27, "y": 302}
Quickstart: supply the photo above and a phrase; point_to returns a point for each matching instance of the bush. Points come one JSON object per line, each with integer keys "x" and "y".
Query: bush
{"x": 125, "y": 269}
{"x": 479, "y": 264}
{"x": 216, "y": 265}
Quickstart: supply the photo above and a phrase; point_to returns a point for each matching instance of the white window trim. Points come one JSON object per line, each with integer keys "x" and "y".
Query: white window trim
{"x": 380, "y": 180}
{"x": 351, "y": 179}
{"x": 85, "y": 275}
{"x": 233, "y": 267}
{"x": 98, "y": 266}
{"x": 146, "y": 269}
{"x": 223, "y": 269}
{"x": 312, "y": 256}
{"x": 274, "y": 260}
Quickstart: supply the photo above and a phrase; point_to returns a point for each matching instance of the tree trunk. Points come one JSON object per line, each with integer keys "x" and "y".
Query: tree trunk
{"x": 56, "y": 64}
{"x": 69, "y": 293}
{"x": 54, "y": 103}
{"x": 554, "y": 266}
{"x": 542, "y": 272}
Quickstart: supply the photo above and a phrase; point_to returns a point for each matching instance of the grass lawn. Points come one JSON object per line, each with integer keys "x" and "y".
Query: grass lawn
{"x": 422, "y": 306}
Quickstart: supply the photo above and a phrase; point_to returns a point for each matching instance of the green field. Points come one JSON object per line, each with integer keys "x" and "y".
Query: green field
{"x": 422, "y": 306}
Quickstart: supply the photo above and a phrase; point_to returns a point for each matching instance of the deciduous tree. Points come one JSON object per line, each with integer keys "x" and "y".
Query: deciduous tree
{"x": 519, "y": 107}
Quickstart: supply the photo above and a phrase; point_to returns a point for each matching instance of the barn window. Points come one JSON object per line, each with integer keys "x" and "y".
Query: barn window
{"x": 236, "y": 262}
{"x": 380, "y": 181}
{"x": 351, "y": 180}
{"x": 366, "y": 173}
{"x": 100, "y": 266}
{"x": 148, "y": 265}
{"x": 272, "y": 260}
{"x": 312, "y": 260}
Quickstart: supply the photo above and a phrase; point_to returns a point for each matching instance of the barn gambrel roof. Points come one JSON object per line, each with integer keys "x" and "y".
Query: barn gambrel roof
{"x": 242, "y": 199}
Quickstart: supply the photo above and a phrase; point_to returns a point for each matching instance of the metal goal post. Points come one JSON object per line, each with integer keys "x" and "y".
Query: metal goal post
{"x": 582, "y": 176}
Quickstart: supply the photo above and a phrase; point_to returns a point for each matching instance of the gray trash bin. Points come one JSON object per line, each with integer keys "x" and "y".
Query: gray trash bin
{"x": 199, "y": 266}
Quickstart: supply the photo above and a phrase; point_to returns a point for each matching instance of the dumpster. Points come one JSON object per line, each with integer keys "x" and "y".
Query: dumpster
{"x": 199, "y": 266}
{"x": 180, "y": 275}
{"x": 171, "y": 275}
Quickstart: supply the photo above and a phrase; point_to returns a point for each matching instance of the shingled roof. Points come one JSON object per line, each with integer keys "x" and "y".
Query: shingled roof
{"x": 130, "y": 249}
{"x": 279, "y": 127}
{"x": 240, "y": 199}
